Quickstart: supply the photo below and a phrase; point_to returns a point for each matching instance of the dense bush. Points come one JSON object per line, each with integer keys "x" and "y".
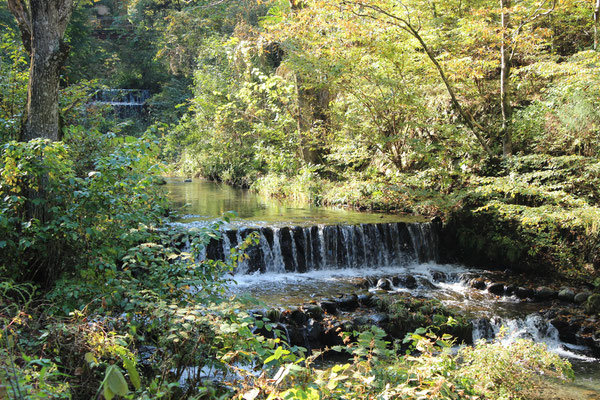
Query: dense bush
{"x": 56, "y": 217}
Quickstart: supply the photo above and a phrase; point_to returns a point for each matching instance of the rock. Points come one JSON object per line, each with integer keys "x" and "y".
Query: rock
{"x": 410, "y": 282}
{"x": 363, "y": 283}
{"x": 361, "y": 320}
{"x": 496, "y": 288}
{"x": 592, "y": 306}
{"x": 187, "y": 180}
{"x": 297, "y": 316}
{"x": 348, "y": 302}
{"x": 366, "y": 300}
{"x": 160, "y": 181}
{"x": 567, "y": 330}
{"x": 384, "y": 284}
{"x": 331, "y": 335}
{"x": 329, "y": 307}
{"x": 314, "y": 331}
{"x": 296, "y": 336}
{"x": 581, "y": 297}
{"x": 146, "y": 355}
{"x": 379, "y": 318}
{"x": 566, "y": 294}
{"x": 439, "y": 276}
{"x": 510, "y": 290}
{"x": 524, "y": 293}
{"x": 477, "y": 283}
{"x": 315, "y": 312}
{"x": 543, "y": 293}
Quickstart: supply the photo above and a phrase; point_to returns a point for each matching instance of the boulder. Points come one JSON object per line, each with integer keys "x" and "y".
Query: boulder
{"x": 524, "y": 293}
{"x": 439, "y": 276}
{"x": 592, "y": 306}
{"x": 544, "y": 293}
{"x": 188, "y": 180}
{"x": 348, "y": 302}
{"x": 379, "y": 318}
{"x": 297, "y": 316}
{"x": 330, "y": 307}
{"x": 366, "y": 300}
{"x": 274, "y": 315}
{"x": 410, "y": 282}
{"x": 496, "y": 288}
{"x": 477, "y": 283}
{"x": 384, "y": 284}
{"x": 315, "y": 312}
{"x": 581, "y": 297}
{"x": 566, "y": 294}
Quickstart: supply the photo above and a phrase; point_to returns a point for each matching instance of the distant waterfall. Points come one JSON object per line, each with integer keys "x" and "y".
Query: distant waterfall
{"x": 126, "y": 103}
{"x": 302, "y": 249}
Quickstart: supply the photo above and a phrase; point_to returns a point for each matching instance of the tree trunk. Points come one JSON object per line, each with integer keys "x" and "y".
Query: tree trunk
{"x": 505, "y": 65}
{"x": 596, "y": 22}
{"x": 312, "y": 112}
{"x": 42, "y": 25}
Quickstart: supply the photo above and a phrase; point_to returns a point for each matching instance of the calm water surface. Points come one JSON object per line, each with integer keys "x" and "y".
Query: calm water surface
{"x": 201, "y": 201}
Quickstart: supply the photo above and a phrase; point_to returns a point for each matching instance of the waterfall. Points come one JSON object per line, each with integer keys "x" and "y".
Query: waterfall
{"x": 302, "y": 249}
{"x": 125, "y": 103}
{"x": 533, "y": 327}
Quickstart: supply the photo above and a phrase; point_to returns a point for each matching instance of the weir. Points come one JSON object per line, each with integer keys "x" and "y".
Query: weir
{"x": 126, "y": 103}
{"x": 331, "y": 247}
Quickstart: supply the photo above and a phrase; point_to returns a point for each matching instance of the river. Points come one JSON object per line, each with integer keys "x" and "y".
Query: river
{"x": 308, "y": 252}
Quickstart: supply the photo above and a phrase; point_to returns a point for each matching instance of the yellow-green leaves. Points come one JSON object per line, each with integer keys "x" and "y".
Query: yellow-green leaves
{"x": 114, "y": 383}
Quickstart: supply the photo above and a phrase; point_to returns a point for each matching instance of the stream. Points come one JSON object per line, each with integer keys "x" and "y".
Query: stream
{"x": 309, "y": 253}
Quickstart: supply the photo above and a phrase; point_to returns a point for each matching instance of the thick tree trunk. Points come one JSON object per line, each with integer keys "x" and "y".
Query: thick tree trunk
{"x": 43, "y": 24}
{"x": 505, "y": 66}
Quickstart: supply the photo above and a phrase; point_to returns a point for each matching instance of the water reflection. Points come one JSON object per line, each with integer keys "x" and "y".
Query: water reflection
{"x": 201, "y": 200}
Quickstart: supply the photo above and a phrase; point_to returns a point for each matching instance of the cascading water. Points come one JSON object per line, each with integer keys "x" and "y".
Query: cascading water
{"x": 125, "y": 103}
{"x": 296, "y": 262}
{"x": 331, "y": 247}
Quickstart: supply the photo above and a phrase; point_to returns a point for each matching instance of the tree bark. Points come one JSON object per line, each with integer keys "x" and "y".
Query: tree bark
{"x": 596, "y": 23}
{"x": 505, "y": 66}
{"x": 312, "y": 110}
{"x": 42, "y": 25}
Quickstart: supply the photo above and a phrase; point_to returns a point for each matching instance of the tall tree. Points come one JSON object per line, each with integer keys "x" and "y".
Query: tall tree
{"x": 596, "y": 22}
{"x": 510, "y": 37}
{"x": 42, "y": 24}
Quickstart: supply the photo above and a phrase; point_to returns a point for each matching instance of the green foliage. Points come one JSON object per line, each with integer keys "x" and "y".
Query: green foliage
{"x": 14, "y": 74}
{"x": 539, "y": 213}
{"x": 376, "y": 371}
{"x": 53, "y": 220}
{"x": 503, "y": 371}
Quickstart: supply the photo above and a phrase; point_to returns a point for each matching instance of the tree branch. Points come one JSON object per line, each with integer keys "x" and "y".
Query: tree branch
{"x": 406, "y": 26}
{"x": 21, "y": 12}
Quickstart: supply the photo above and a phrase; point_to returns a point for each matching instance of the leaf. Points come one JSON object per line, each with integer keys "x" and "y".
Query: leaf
{"x": 108, "y": 394}
{"x": 89, "y": 357}
{"x": 133, "y": 374}
{"x": 116, "y": 381}
{"x": 251, "y": 394}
